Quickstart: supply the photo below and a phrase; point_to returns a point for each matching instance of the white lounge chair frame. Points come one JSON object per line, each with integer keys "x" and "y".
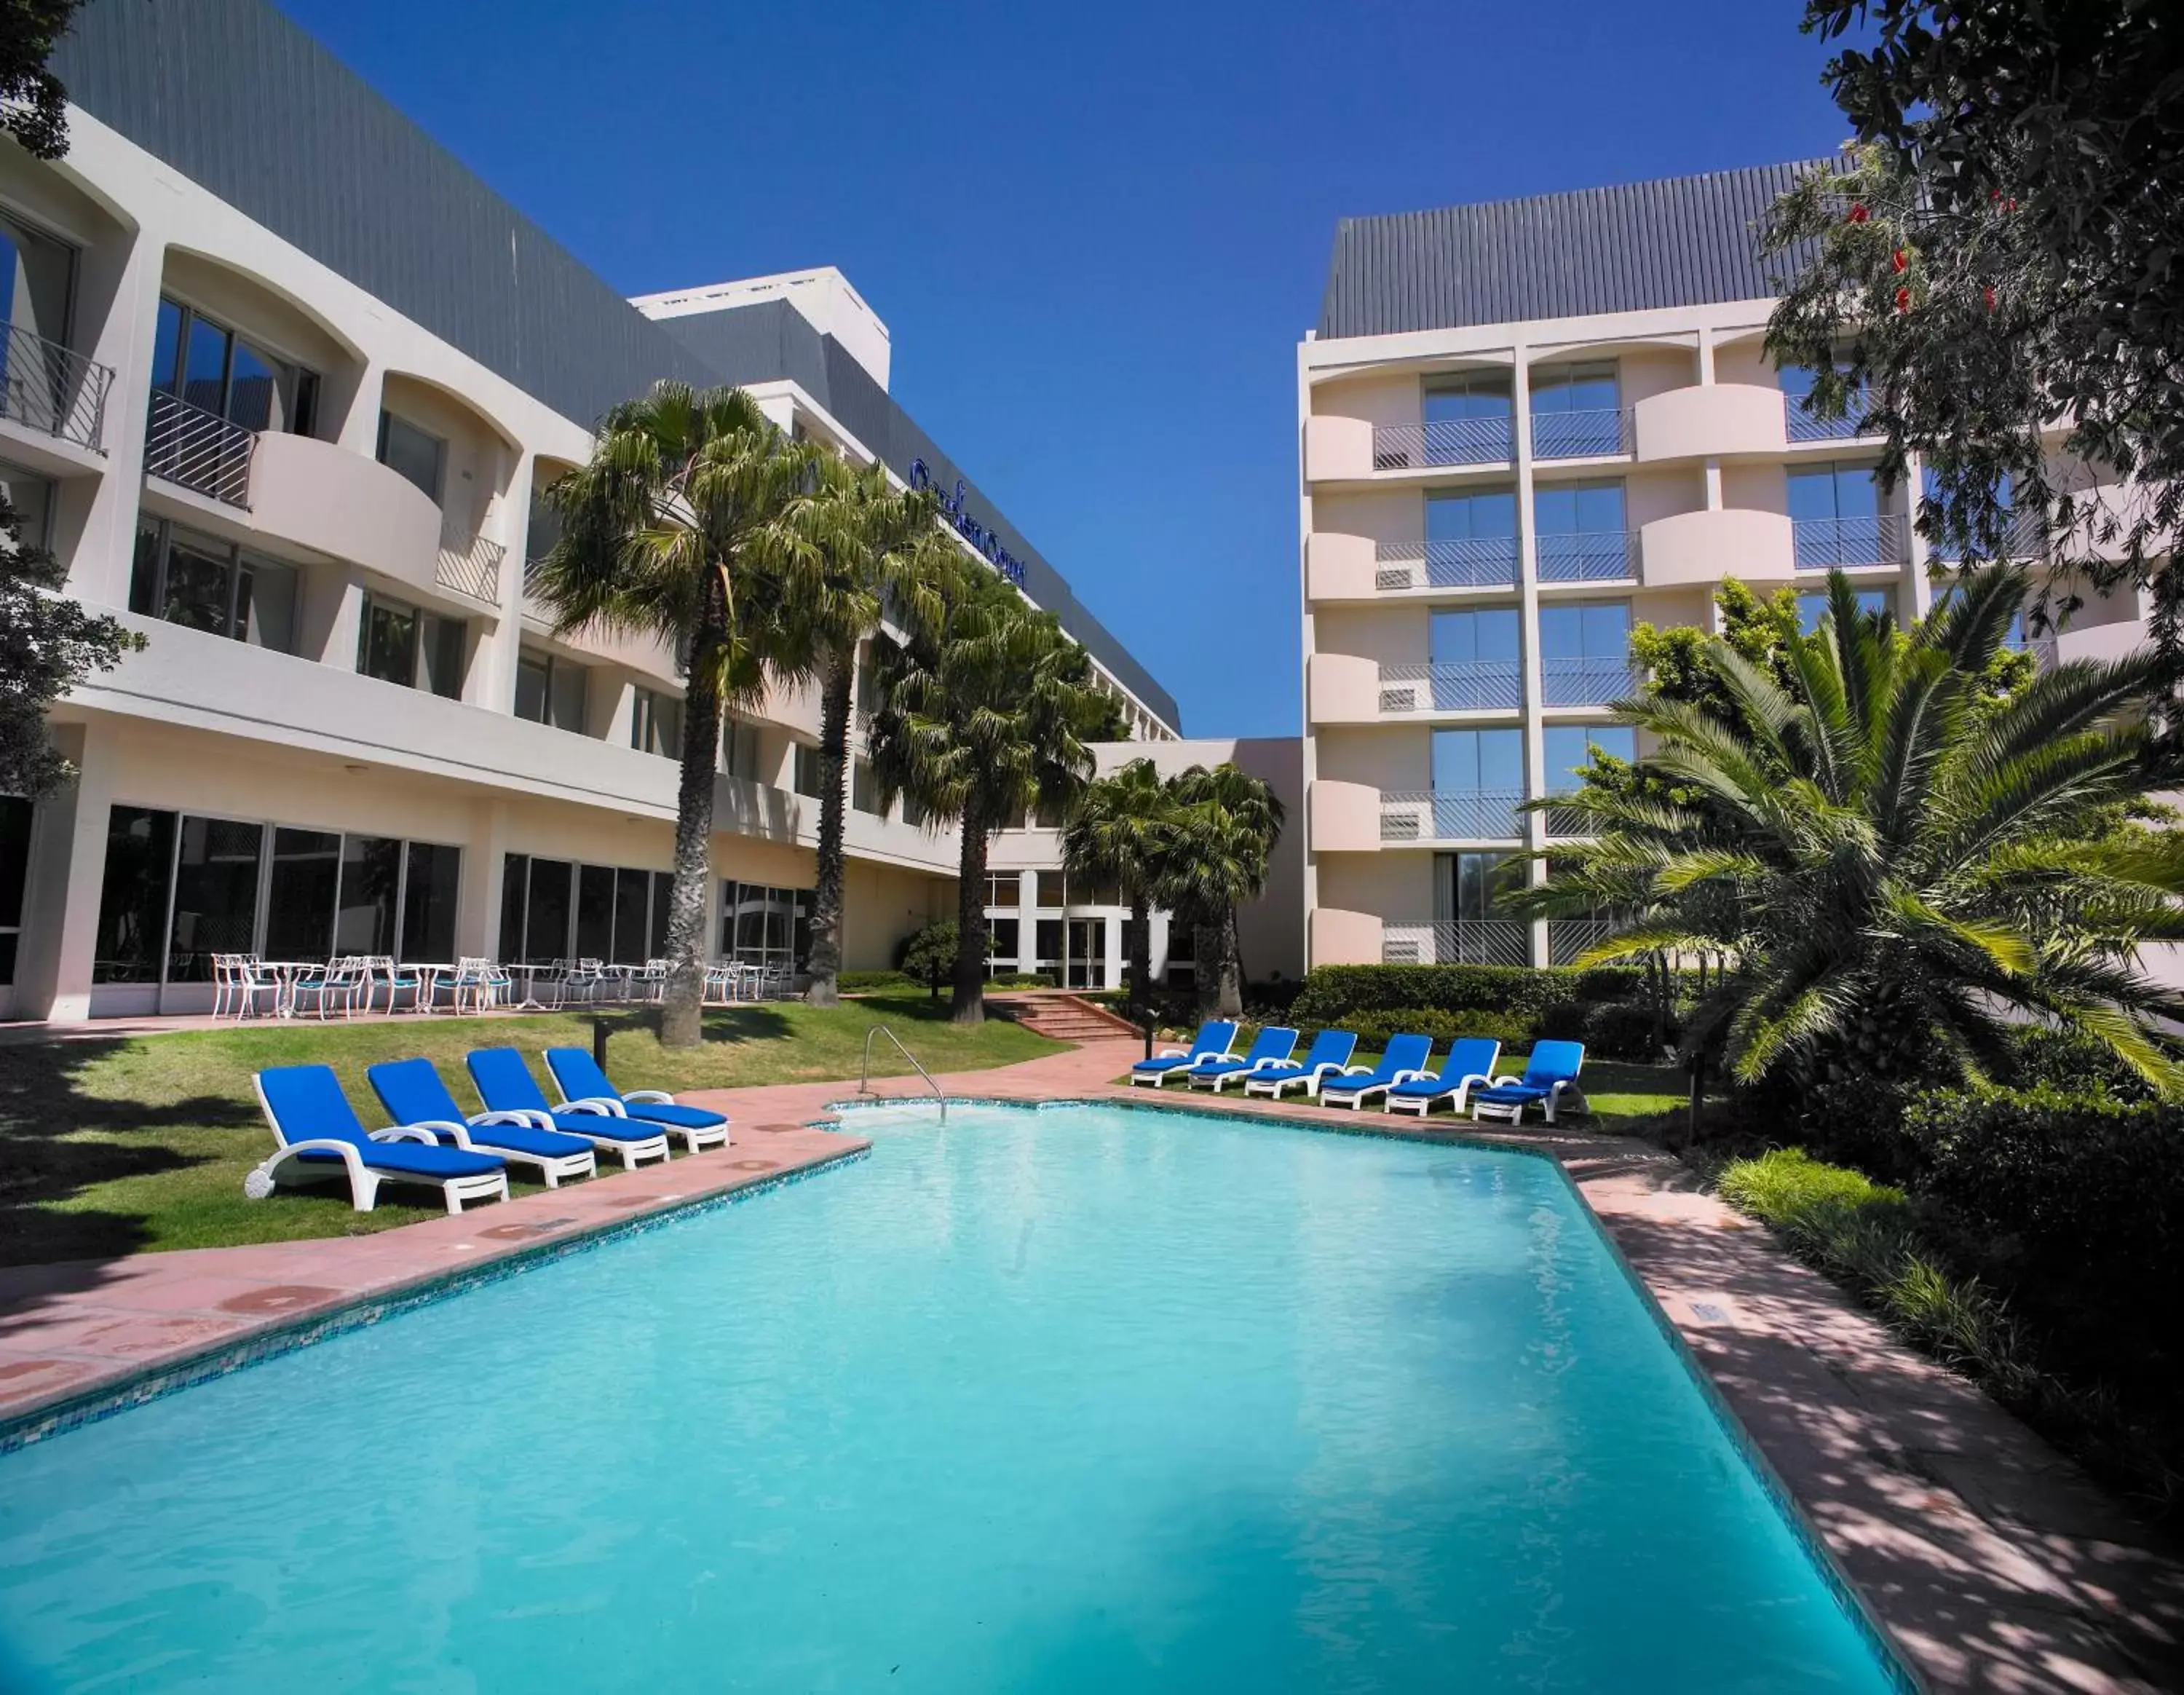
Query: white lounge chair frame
{"x": 648, "y": 1147}
{"x": 363, "y": 1181}
{"x": 697, "y": 1139}
{"x": 1309, "y": 1081}
{"x": 1513, "y": 1111}
{"x": 552, "y": 1168}
{"x": 1159, "y": 1079}
{"x": 1457, "y": 1093}
{"x": 1355, "y": 1099}
{"x": 1243, "y": 1074}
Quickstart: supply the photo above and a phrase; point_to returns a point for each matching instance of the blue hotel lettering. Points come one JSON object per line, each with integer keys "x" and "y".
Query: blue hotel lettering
{"x": 968, "y": 527}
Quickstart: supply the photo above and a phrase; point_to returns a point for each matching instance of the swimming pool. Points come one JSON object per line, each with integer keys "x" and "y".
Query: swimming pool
{"x": 1082, "y": 1398}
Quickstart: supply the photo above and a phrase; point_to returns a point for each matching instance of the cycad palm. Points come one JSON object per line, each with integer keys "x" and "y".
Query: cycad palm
{"x": 1218, "y": 854}
{"x": 687, "y": 494}
{"x": 864, "y": 549}
{"x": 984, "y": 713}
{"x": 1894, "y": 867}
{"x": 1116, "y": 834}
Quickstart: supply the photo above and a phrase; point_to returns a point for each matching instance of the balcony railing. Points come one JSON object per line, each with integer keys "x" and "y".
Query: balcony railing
{"x": 470, "y": 564}
{"x": 1587, "y": 682}
{"x": 1599, "y": 556}
{"x": 1568, "y": 823}
{"x": 1800, "y": 426}
{"x": 43, "y": 386}
{"x": 1447, "y": 441}
{"x": 1568, "y": 938}
{"x": 1420, "y": 816}
{"x": 1481, "y": 686}
{"x": 1581, "y": 435}
{"x": 1826, "y": 544}
{"x": 2024, "y": 537}
{"x": 1455, "y": 941}
{"x": 1481, "y": 562}
{"x": 198, "y": 449}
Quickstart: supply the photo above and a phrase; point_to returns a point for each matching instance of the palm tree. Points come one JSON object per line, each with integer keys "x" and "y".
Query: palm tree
{"x": 1219, "y": 849}
{"x": 1893, "y": 864}
{"x": 866, "y": 549}
{"x": 984, "y": 715}
{"x": 1117, "y": 834}
{"x": 687, "y": 493}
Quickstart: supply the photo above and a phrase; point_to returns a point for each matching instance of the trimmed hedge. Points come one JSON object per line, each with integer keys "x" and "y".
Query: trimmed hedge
{"x": 1332, "y": 993}
{"x": 1372, "y": 1030}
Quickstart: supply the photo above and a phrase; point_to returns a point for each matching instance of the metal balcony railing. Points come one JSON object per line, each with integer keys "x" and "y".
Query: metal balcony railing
{"x": 1447, "y": 441}
{"x": 43, "y": 386}
{"x": 1587, "y": 682}
{"x": 2024, "y": 537}
{"x": 1826, "y": 544}
{"x": 1478, "y": 562}
{"x": 1598, "y": 556}
{"x": 1581, "y": 435}
{"x": 1422, "y": 815}
{"x": 1568, "y": 823}
{"x": 1800, "y": 426}
{"x": 470, "y": 564}
{"x": 1568, "y": 938}
{"x": 1455, "y": 941}
{"x": 1481, "y": 686}
{"x": 198, "y": 449}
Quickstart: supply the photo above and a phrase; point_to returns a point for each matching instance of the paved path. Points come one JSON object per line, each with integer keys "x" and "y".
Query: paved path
{"x": 1995, "y": 1565}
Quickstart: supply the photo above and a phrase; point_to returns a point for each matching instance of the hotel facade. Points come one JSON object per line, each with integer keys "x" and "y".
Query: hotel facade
{"x": 1524, "y": 428}
{"x": 283, "y": 380}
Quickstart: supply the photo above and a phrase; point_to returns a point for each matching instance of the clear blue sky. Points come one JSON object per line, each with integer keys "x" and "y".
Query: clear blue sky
{"x": 1096, "y": 233}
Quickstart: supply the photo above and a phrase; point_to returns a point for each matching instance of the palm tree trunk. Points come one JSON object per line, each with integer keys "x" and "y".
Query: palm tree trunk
{"x": 683, "y": 1006}
{"x": 826, "y": 965}
{"x": 1229, "y": 993}
{"x": 970, "y": 1004}
{"x": 1205, "y": 967}
{"x": 1141, "y": 966}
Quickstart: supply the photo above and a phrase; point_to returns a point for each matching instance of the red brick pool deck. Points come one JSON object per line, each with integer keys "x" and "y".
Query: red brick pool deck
{"x": 1993, "y": 1564}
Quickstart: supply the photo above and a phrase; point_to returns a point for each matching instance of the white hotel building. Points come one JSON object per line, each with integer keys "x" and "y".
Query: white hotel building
{"x": 281, "y": 380}
{"x": 1524, "y": 427}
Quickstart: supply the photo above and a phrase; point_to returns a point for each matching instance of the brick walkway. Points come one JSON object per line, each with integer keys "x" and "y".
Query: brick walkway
{"x": 1994, "y": 1564}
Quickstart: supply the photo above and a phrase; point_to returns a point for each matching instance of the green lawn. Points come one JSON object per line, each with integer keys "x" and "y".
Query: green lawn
{"x": 116, "y": 1146}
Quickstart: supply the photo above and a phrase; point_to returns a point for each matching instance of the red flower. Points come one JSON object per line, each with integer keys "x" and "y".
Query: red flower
{"x": 1990, "y": 299}
{"x": 2012, "y": 206}
{"x": 1903, "y": 299}
{"x": 1901, "y": 260}
{"x": 1858, "y": 215}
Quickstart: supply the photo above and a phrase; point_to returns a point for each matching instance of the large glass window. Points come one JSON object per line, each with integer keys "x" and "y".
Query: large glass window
{"x": 415, "y": 453}
{"x": 805, "y": 776}
{"x": 1469, "y": 886}
{"x": 37, "y": 276}
{"x": 1569, "y": 748}
{"x": 1468, "y": 418}
{"x": 300, "y": 894}
{"x": 595, "y": 912}
{"x": 132, "y": 899}
{"x": 633, "y": 916}
{"x": 1474, "y": 655}
{"x": 30, "y": 495}
{"x": 404, "y": 646}
{"x": 429, "y": 892}
{"x": 15, "y": 872}
{"x": 207, "y": 364}
{"x": 1584, "y": 653}
{"x": 1796, "y": 383}
{"x": 544, "y": 528}
{"x": 190, "y": 579}
{"x": 655, "y": 724}
{"x": 1872, "y": 603}
{"x": 1477, "y": 780}
{"x": 765, "y": 926}
{"x": 865, "y": 788}
{"x": 1576, "y": 409}
{"x": 1835, "y": 512}
{"x": 739, "y": 750}
{"x": 549, "y": 689}
{"x": 553, "y": 905}
{"x": 371, "y": 893}
{"x": 217, "y": 865}
{"x": 1579, "y": 532}
{"x": 1471, "y": 538}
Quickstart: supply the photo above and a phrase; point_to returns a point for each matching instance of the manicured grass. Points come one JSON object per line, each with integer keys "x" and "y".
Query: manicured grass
{"x": 111, "y": 1147}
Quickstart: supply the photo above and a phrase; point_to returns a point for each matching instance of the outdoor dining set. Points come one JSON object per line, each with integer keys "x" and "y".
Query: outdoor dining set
{"x": 246, "y": 985}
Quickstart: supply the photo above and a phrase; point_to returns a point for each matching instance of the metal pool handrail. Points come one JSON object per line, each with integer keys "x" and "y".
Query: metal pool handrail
{"x": 864, "y": 1081}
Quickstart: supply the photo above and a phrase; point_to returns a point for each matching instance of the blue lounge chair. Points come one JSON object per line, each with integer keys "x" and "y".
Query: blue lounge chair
{"x": 1214, "y": 1039}
{"x": 1470, "y": 1061}
{"x": 1550, "y": 1072}
{"x": 578, "y": 1076}
{"x": 413, "y": 1093}
{"x": 1328, "y": 1055}
{"x": 1407, "y": 1057}
{"x": 319, "y": 1135}
{"x": 1272, "y": 1046}
{"x": 506, "y": 1085}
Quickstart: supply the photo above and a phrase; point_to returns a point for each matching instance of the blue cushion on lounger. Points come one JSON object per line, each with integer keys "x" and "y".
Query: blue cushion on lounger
{"x": 672, "y": 1112}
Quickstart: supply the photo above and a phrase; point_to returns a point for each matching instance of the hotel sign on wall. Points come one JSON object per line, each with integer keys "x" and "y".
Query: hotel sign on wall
{"x": 968, "y": 527}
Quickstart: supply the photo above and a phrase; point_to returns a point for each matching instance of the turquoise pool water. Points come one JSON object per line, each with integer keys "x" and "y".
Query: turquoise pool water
{"x": 1082, "y": 1399}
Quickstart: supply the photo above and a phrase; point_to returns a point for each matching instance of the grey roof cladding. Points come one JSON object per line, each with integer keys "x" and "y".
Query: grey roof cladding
{"x": 1677, "y": 240}
{"x": 237, "y": 97}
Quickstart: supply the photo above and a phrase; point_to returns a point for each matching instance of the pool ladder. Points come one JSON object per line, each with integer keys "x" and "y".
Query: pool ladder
{"x": 864, "y": 1081}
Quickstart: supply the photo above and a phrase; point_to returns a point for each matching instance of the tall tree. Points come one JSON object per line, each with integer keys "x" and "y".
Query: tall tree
{"x": 864, "y": 549}
{"x": 687, "y": 495}
{"x": 47, "y": 646}
{"x": 984, "y": 715}
{"x": 1891, "y": 868}
{"x": 2006, "y": 249}
{"x": 33, "y": 103}
{"x": 1217, "y": 855}
{"x": 1118, "y": 833}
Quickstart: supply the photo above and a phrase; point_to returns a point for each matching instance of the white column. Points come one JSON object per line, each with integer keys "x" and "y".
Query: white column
{"x": 68, "y": 869}
{"x": 1528, "y": 584}
{"x": 123, "y": 276}
{"x": 478, "y": 899}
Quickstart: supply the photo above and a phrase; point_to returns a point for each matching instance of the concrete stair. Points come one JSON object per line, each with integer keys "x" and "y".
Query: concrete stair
{"x": 1062, "y": 1017}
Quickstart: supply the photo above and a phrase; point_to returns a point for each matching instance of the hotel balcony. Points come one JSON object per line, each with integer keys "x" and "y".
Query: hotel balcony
{"x": 1849, "y": 543}
{"x": 1451, "y": 441}
{"x": 1725, "y": 420}
{"x": 1602, "y": 433}
{"x": 1702, "y": 548}
{"x": 1568, "y": 938}
{"x": 319, "y": 496}
{"x": 1598, "y": 556}
{"x": 47, "y": 391}
{"x": 1473, "y": 686}
{"x": 1587, "y": 682}
{"x": 1800, "y": 426}
{"x": 1429, "y": 818}
{"x": 1485, "y": 562}
{"x": 1455, "y": 941}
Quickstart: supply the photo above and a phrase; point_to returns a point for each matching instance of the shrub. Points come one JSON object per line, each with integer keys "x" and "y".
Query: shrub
{"x": 1374, "y": 1029}
{"x": 1610, "y": 1029}
{"x": 1332, "y": 993}
{"x": 2064, "y": 1060}
{"x": 865, "y": 982}
{"x": 1787, "y": 1183}
{"x": 929, "y": 955}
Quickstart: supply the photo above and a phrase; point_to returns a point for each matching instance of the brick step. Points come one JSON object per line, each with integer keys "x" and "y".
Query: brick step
{"x": 1063, "y": 1017}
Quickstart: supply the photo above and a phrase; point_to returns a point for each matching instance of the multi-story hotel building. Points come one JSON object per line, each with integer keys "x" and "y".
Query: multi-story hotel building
{"x": 1525, "y": 427}
{"x": 283, "y": 380}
